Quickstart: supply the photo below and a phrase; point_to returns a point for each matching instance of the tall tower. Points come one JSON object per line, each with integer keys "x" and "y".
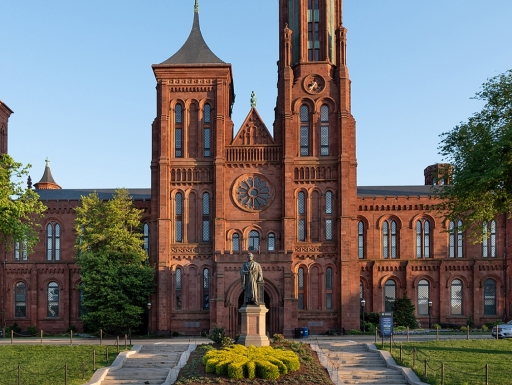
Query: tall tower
{"x": 5, "y": 113}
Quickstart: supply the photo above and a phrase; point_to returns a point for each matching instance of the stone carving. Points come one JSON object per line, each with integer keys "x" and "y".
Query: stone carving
{"x": 250, "y": 275}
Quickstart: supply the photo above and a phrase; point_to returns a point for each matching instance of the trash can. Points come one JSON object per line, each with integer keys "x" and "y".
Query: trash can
{"x": 299, "y": 333}
{"x": 305, "y": 332}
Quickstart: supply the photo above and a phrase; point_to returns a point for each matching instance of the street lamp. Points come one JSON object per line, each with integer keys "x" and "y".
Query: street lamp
{"x": 149, "y": 314}
{"x": 429, "y": 314}
{"x": 363, "y": 302}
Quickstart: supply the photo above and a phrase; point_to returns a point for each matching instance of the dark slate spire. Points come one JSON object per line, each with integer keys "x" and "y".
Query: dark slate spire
{"x": 195, "y": 50}
{"x": 47, "y": 182}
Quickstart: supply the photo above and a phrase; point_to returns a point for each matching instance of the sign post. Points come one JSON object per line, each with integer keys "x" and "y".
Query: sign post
{"x": 386, "y": 325}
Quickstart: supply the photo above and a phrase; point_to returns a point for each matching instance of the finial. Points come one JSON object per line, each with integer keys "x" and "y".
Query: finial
{"x": 47, "y": 162}
{"x": 196, "y": 6}
{"x": 253, "y": 99}
{"x": 29, "y": 183}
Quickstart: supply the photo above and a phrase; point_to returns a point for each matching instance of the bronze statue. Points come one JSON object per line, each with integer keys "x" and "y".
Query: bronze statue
{"x": 251, "y": 274}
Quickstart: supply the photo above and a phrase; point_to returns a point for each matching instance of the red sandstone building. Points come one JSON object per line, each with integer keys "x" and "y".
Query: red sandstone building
{"x": 290, "y": 197}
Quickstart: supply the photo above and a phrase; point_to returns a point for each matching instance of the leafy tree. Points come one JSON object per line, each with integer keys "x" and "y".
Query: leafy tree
{"x": 20, "y": 207}
{"x": 116, "y": 275}
{"x": 480, "y": 151}
{"x": 404, "y": 312}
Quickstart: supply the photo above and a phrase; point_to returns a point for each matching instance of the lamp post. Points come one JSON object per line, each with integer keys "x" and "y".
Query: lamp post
{"x": 429, "y": 314}
{"x": 363, "y": 303}
{"x": 149, "y": 315}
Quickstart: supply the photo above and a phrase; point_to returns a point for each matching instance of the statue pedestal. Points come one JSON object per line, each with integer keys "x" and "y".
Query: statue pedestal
{"x": 253, "y": 326}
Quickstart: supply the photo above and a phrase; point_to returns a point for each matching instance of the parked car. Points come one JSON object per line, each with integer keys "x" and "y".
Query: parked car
{"x": 503, "y": 330}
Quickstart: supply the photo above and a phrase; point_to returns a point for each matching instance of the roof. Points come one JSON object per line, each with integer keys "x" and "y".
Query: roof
{"x": 195, "y": 50}
{"x": 76, "y": 194}
{"x": 394, "y": 191}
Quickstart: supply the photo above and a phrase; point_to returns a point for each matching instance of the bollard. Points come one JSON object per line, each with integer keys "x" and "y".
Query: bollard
{"x": 130, "y": 335}
{"x": 425, "y": 368}
{"x": 376, "y": 333}
{"x": 407, "y": 333}
{"x": 41, "y": 337}
{"x": 442, "y": 373}
{"x": 117, "y": 343}
{"x": 467, "y": 333}
{"x": 19, "y": 374}
{"x": 83, "y": 370}
{"x": 94, "y": 360}
{"x": 106, "y": 355}
{"x": 101, "y": 336}
{"x": 71, "y": 338}
{"x": 486, "y": 374}
{"x": 413, "y": 358}
{"x": 391, "y": 343}
{"x": 65, "y": 374}
{"x": 401, "y": 352}
{"x": 12, "y": 336}
{"x": 125, "y": 342}
{"x": 437, "y": 333}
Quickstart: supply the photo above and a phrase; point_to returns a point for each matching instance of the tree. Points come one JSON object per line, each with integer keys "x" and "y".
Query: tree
{"x": 480, "y": 151}
{"x": 403, "y": 312}
{"x": 116, "y": 276}
{"x": 20, "y": 207}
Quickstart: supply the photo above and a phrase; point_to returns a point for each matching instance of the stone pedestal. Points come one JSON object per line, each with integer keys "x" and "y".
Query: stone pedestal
{"x": 253, "y": 326}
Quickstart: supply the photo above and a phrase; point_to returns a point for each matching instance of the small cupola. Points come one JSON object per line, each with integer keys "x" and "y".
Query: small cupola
{"x": 47, "y": 182}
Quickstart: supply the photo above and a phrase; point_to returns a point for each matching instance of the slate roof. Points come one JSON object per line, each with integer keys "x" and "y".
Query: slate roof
{"x": 47, "y": 176}
{"x": 195, "y": 50}
{"x": 76, "y": 194}
{"x": 395, "y": 191}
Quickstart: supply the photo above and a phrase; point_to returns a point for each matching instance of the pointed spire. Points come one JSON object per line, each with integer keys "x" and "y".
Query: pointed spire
{"x": 47, "y": 182}
{"x": 196, "y": 7}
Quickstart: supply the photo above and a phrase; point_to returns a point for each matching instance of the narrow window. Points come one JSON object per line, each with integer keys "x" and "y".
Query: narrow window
{"x": 271, "y": 242}
{"x": 361, "y": 290}
{"x": 301, "y": 210}
{"x": 328, "y": 216}
{"x": 422, "y": 238}
{"x": 360, "y": 240}
{"x": 300, "y": 277}
{"x": 389, "y": 295}
{"x": 53, "y": 300}
{"x": 456, "y": 240}
{"x": 423, "y": 297}
{"x": 206, "y": 289}
{"x": 385, "y": 240}
{"x": 145, "y": 237}
{"x": 20, "y": 300}
{"x": 304, "y": 130}
{"x": 207, "y": 151}
{"x": 21, "y": 251}
{"x": 235, "y": 242}
{"x": 206, "y": 217}
{"x": 490, "y": 297}
{"x": 394, "y": 241}
{"x": 53, "y": 241}
{"x": 254, "y": 240}
{"x": 456, "y": 297}
{"x": 179, "y": 217}
{"x": 178, "y": 134}
{"x": 313, "y": 19}
{"x": 324, "y": 130}
{"x": 178, "y": 289}
{"x": 328, "y": 288}
{"x": 489, "y": 242}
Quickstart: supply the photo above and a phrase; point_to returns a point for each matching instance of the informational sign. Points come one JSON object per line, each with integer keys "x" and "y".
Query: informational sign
{"x": 386, "y": 324}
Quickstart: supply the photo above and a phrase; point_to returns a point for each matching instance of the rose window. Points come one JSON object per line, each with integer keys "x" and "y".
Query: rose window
{"x": 252, "y": 193}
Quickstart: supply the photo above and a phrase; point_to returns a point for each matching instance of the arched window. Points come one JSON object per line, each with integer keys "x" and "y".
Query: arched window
{"x": 389, "y": 239}
{"x": 178, "y": 220}
{"x": 456, "y": 297}
{"x": 328, "y": 216}
{"x": 145, "y": 237}
{"x": 21, "y": 251}
{"x": 235, "y": 242}
{"x": 207, "y": 132}
{"x": 206, "y": 217}
{"x": 304, "y": 130}
{"x": 328, "y": 288}
{"x": 360, "y": 240}
{"x": 271, "y": 242}
{"x": 53, "y": 241}
{"x": 254, "y": 240}
{"x": 20, "y": 300}
{"x": 301, "y": 210}
{"x": 489, "y": 242}
{"x": 53, "y": 300}
{"x": 206, "y": 289}
{"x": 178, "y": 285}
{"x": 300, "y": 277}
{"x": 324, "y": 130}
{"x": 422, "y": 238}
{"x": 389, "y": 295}
{"x": 456, "y": 240}
{"x": 490, "y": 297}
{"x": 313, "y": 30}
{"x": 361, "y": 290}
{"x": 178, "y": 131}
{"x": 423, "y": 297}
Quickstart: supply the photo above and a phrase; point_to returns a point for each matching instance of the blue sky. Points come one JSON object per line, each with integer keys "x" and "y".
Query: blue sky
{"x": 78, "y": 77}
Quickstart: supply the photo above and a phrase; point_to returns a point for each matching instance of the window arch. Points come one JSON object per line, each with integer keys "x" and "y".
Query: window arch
{"x": 456, "y": 297}
{"x": 206, "y": 289}
{"x": 301, "y": 211}
{"x": 423, "y": 297}
{"x": 207, "y": 132}
{"x": 328, "y": 216}
{"x": 145, "y": 237}
{"x": 178, "y": 286}
{"x": 53, "y": 241}
{"x": 178, "y": 131}
{"x": 304, "y": 130}
{"x": 389, "y": 239}
{"x": 206, "y": 217}
{"x": 489, "y": 242}
{"x": 328, "y": 288}
{"x": 490, "y": 297}
{"x": 324, "y": 130}
{"x": 20, "y": 300}
{"x": 389, "y": 295}
{"x": 235, "y": 242}
{"x": 456, "y": 239}
{"x": 178, "y": 217}
{"x": 360, "y": 240}
{"x": 301, "y": 286}
{"x": 271, "y": 242}
{"x": 21, "y": 250}
{"x": 254, "y": 241}
{"x": 53, "y": 300}
{"x": 423, "y": 238}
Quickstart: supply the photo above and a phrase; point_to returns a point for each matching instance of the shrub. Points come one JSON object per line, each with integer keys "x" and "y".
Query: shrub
{"x": 226, "y": 341}
{"x": 217, "y": 334}
{"x": 278, "y": 337}
{"x": 463, "y": 328}
{"x": 15, "y": 328}
{"x": 175, "y": 334}
{"x": 72, "y": 328}
{"x": 484, "y": 328}
{"x": 32, "y": 330}
{"x": 436, "y": 326}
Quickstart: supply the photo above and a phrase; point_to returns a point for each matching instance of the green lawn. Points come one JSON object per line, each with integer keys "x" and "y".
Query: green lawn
{"x": 45, "y": 364}
{"x": 464, "y": 360}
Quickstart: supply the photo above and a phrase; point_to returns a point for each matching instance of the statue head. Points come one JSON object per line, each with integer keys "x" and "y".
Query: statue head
{"x": 250, "y": 256}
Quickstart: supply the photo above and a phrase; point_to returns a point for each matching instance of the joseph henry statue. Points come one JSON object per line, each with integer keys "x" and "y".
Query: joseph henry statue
{"x": 251, "y": 275}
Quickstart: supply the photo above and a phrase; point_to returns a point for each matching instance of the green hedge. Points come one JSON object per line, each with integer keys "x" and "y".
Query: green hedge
{"x": 238, "y": 362}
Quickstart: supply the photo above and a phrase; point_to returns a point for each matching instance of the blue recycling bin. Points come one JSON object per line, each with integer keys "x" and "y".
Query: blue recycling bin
{"x": 305, "y": 332}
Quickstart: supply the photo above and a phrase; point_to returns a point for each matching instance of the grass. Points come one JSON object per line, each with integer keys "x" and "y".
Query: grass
{"x": 45, "y": 364}
{"x": 311, "y": 372}
{"x": 464, "y": 360}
